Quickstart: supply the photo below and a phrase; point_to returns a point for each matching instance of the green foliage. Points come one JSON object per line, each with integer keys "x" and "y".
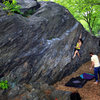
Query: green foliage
{"x": 4, "y": 84}
{"x": 84, "y": 23}
{"x": 12, "y": 7}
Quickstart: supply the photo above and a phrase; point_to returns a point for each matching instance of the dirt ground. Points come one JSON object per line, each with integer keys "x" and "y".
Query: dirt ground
{"x": 89, "y": 91}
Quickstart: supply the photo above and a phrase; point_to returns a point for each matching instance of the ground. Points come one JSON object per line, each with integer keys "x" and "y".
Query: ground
{"x": 89, "y": 91}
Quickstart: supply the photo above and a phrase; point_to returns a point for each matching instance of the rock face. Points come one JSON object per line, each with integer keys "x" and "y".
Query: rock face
{"x": 27, "y": 3}
{"x": 36, "y": 91}
{"x": 40, "y": 48}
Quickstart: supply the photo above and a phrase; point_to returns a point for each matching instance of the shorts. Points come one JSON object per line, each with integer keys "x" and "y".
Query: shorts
{"x": 77, "y": 49}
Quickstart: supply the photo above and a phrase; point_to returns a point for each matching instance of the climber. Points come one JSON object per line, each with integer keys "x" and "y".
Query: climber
{"x": 77, "y": 48}
{"x": 96, "y": 66}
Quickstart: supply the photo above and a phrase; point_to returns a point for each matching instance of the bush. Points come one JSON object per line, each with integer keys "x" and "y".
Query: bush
{"x": 12, "y": 7}
{"x": 4, "y": 84}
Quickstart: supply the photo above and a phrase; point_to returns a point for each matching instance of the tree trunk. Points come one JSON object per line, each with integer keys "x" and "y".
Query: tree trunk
{"x": 90, "y": 28}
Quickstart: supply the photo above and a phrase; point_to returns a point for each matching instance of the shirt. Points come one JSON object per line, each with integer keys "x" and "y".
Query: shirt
{"x": 95, "y": 59}
{"x": 77, "y": 46}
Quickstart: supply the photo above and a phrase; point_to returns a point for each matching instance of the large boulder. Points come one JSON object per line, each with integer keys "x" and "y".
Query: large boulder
{"x": 40, "y": 48}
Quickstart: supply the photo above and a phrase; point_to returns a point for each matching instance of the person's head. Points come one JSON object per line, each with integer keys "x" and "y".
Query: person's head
{"x": 80, "y": 40}
{"x": 91, "y": 53}
{"x": 75, "y": 96}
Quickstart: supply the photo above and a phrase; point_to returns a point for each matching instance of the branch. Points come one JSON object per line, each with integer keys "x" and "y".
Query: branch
{"x": 85, "y": 18}
{"x": 96, "y": 3}
{"x": 93, "y": 21}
